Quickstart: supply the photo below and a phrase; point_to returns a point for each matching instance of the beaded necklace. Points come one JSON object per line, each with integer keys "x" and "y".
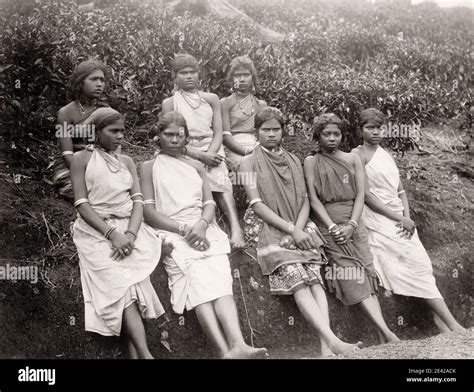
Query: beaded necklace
{"x": 188, "y": 99}
{"x": 252, "y": 111}
{"x": 106, "y": 159}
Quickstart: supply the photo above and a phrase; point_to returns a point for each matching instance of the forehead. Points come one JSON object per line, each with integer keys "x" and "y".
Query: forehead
{"x": 173, "y": 128}
{"x": 241, "y": 70}
{"x": 372, "y": 124}
{"x": 96, "y": 73}
{"x": 117, "y": 124}
{"x": 187, "y": 70}
{"x": 331, "y": 128}
{"x": 272, "y": 123}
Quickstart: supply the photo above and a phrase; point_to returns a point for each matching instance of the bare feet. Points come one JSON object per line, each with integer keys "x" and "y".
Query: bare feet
{"x": 327, "y": 352}
{"x": 246, "y": 352}
{"x": 342, "y": 348}
{"x": 237, "y": 240}
{"x": 391, "y": 338}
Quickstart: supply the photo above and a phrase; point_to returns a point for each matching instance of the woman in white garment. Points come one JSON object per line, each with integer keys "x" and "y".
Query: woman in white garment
{"x": 399, "y": 256}
{"x": 117, "y": 252}
{"x": 179, "y": 205}
{"x": 202, "y": 112}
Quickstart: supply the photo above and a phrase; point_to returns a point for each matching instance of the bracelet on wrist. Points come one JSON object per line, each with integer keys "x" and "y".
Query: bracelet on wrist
{"x": 131, "y": 232}
{"x": 353, "y": 223}
{"x": 109, "y": 232}
{"x": 181, "y": 228}
{"x": 331, "y": 226}
{"x": 205, "y": 220}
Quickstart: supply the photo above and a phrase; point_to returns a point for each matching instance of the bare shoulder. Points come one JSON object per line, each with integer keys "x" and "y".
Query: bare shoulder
{"x": 126, "y": 159}
{"x": 227, "y": 102}
{"x": 146, "y": 167}
{"x": 210, "y": 97}
{"x": 167, "y": 104}
{"x": 67, "y": 111}
{"x": 81, "y": 158}
{"x": 358, "y": 152}
{"x": 309, "y": 160}
{"x": 261, "y": 103}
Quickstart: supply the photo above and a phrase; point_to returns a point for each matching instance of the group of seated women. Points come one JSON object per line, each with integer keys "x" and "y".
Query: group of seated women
{"x": 340, "y": 223}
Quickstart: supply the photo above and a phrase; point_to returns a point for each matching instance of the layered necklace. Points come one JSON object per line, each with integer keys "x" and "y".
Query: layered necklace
{"x": 190, "y": 98}
{"x": 243, "y": 101}
{"x": 113, "y": 167}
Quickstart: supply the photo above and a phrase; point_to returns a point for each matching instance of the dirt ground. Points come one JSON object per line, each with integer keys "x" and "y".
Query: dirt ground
{"x": 45, "y": 320}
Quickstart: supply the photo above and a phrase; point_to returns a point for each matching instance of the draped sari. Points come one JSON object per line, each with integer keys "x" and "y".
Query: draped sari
{"x": 404, "y": 265}
{"x": 109, "y": 286}
{"x": 194, "y": 277}
{"x": 351, "y": 273}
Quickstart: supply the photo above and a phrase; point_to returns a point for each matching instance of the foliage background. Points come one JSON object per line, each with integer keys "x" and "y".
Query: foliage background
{"x": 414, "y": 62}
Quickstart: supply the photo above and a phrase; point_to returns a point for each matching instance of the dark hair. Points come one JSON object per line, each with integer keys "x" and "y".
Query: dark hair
{"x": 183, "y": 60}
{"x": 169, "y": 118}
{"x": 243, "y": 62}
{"x": 103, "y": 117}
{"x": 371, "y": 115}
{"x": 267, "y": 113}
{"x": 323, "y": 121}
{"x": 82, "y": 71}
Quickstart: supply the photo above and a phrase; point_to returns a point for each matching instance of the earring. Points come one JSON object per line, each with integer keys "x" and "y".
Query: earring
{"x": 175, "y": 87}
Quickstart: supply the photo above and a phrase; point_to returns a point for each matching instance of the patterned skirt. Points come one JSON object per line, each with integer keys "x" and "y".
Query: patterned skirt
{"x": 286, "y": 279}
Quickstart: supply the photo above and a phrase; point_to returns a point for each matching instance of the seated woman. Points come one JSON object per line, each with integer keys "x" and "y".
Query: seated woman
{"x": 117, "y": 253}
{"x": 202, "y": 113}
{"x": 86, "y": 85}
{"x": 179, "y": 206}
{"x": 238, "y": 111}
{"x": 289, "y": 247}
{"x": 399, "y": 256}
{"x": 335, "y": 181}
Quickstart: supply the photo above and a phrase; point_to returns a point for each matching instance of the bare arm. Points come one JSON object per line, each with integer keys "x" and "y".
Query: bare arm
{"x": 152, "y": 217}
{"x": 120, "y": 243}
{"x": 137, "y": 211}
{"x": 359, "y": 182}
{"x": 228, "y": 139}
{"x": 65, "y": 142}
{"x": 78, "y": 170}
{"x": 216, "y": 122}
{"x": 371, "y": 200}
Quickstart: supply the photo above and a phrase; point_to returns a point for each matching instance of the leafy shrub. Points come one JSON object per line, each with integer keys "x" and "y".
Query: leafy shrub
{"x": 414, "y": 63}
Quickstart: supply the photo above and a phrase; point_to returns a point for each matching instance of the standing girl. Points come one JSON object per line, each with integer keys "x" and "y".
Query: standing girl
{"x": 238, "y": 111}
{"x": 202, "y": 112}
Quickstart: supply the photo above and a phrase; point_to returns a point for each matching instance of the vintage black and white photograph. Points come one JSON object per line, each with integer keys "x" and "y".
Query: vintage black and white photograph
{"x": 237, "y": 179}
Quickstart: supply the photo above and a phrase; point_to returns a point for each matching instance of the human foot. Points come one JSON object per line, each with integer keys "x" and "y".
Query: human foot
{"x": 246, "y": 352}
{"x": 327, "y": 352}
{"x": 391, "y": 337}
{"x": 342, "y": 348}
